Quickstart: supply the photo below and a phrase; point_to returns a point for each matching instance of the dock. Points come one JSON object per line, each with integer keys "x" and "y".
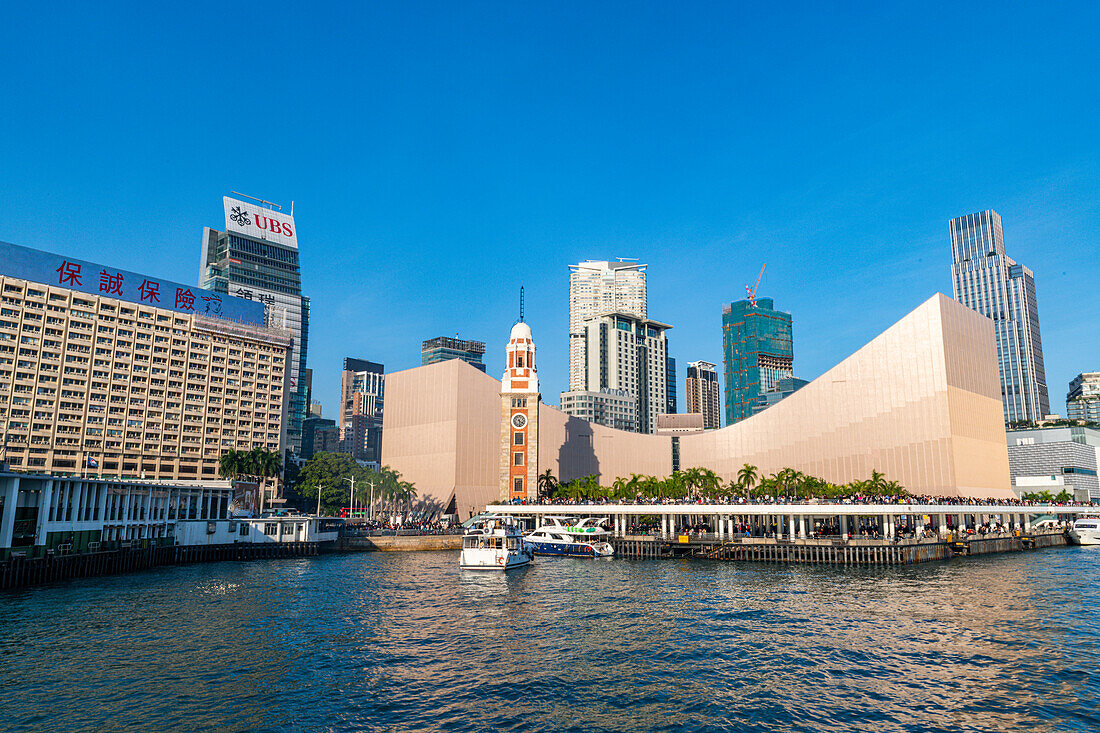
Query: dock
{"x": 815, "y": 533}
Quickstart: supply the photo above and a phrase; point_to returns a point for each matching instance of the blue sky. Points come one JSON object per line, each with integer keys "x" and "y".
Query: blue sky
{"x": 442, "y": 154}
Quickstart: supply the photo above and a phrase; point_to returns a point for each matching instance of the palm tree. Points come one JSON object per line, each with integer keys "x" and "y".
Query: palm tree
{"x": 747, "y": 478}
{"x": 546, "y": 484}
{"x": 229, "y": 465}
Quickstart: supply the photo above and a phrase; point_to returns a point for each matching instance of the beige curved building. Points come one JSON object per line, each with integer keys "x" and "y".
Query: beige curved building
{"x": 921, "y": 403}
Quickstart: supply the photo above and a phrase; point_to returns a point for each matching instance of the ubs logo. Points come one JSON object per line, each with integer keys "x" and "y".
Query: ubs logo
{"x": 240, "y": 217}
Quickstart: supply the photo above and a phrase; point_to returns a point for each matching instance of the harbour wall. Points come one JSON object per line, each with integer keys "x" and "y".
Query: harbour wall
{"x": 22, "y": 572}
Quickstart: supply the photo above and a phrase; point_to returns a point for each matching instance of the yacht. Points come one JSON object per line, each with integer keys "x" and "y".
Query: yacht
{"x": 1085, "y": 531}
{"x": 568, "y": 536}
{"x": 495, "y": 543}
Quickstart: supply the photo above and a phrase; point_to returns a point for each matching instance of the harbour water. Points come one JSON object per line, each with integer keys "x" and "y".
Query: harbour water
{"x": 406, "y": 641}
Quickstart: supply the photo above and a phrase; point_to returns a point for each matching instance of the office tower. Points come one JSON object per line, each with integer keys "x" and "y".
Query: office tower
{"x": 319, "y": 435}
{"x": 256, "y": 258}
{"x": 702, "y": 392}
{"x": 110, "y": 373}
{"x": 1083, "y": 399}
{"x": 987, "y": 280}
{"x": 758, "y": 351}
{"x": 595, "y": 288}
{"x": 362, "y": 393}
{"x": 443, "y": 348}
{"x": 626, "y": 353}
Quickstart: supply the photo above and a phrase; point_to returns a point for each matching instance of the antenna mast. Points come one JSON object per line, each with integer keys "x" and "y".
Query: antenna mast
{"x": 521, "y": 304}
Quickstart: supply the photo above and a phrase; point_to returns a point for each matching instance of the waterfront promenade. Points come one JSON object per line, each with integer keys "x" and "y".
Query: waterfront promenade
{"x": 820, "y": 533}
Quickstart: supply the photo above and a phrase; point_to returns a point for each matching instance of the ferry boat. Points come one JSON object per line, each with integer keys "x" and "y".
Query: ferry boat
{"x": 1085, "y": 531}
{"x": 567, "y": 536}
{"x": 495, "y": 543}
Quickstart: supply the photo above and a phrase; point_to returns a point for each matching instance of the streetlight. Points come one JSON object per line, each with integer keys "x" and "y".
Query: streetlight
{"x": 352, "y": 480}
{"x": 319, "y": 487}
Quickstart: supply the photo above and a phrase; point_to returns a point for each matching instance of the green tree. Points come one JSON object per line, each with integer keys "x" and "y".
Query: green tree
{"x": 747, "y": 478}
{"x": 546, "y": 484}
{"x": 329, "y": 473}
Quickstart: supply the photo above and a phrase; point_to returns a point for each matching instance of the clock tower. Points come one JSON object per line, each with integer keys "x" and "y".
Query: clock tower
{"x": 519, "y": 411}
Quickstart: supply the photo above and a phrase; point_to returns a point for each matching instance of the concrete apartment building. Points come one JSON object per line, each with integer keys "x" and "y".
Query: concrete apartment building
{"x": 597, "y": 287}
{"x": 109, "y": 373}
{"x": 1083, "y": 398}
{"x": 702, "y": 392}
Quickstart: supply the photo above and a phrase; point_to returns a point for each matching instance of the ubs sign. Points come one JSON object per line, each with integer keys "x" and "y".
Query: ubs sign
{"x": 260, "y": 223}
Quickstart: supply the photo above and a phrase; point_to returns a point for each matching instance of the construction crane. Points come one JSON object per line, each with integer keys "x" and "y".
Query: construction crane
{"x": 752, "y": 291}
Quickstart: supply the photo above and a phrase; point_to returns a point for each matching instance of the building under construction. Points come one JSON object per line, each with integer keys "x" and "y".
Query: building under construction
{"x": 758, "y": 351}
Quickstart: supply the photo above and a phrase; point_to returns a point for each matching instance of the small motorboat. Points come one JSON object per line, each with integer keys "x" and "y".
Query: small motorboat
{"x": 495, "y": 543}
{"x": 568, "y": 536}
{"x": 1085, "y": 531}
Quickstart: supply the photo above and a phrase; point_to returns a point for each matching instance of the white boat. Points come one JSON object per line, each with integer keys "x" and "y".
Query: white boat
{"x": 495, "y": 543}
{"x": 568, "y": 536}
{"x": 1085, "y": 531}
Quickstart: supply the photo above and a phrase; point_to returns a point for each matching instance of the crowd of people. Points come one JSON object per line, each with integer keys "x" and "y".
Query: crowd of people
{"x": 733, "y": 500}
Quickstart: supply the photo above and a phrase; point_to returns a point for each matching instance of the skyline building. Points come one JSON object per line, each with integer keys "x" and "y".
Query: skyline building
{"x": 987, "y": 280}
{"x": 625, "y": 353}
{"x": 615, "y": 408}
{"x": 597, "y": 287}
{"x": 670, "y": 386}
{"x": 1083, "y": 399}
{"x": 110, "y": 373}
{"x": 758, "y": 351}
{"x": 443, "y": 348}
{"x": 702, "y": 392}
{"x": 256, "y": 258}
{"x": 362, "y": 402}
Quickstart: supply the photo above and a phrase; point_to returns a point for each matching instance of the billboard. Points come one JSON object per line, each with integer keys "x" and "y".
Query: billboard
{"x": 95, "y": 279}
{"x": 257, "y": 222}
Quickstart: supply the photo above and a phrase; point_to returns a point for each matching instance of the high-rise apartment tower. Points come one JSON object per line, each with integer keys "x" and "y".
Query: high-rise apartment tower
{"x": 702, "y": 392}
{"x": 758, "y": 349}
{"x": 987, "y": 280}
{"x": 625, "y": 353}
{"x": 595, "y": 288}
{"x": 256, "y": 258}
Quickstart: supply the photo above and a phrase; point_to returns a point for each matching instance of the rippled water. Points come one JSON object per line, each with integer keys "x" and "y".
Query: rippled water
{"x": 408, "y": 642}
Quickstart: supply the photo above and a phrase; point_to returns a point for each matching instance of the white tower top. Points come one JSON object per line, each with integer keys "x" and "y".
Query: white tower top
{"x": 520, "y": 376}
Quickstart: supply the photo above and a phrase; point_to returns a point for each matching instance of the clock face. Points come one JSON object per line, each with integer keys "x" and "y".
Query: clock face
{"x": 519, "y": 421}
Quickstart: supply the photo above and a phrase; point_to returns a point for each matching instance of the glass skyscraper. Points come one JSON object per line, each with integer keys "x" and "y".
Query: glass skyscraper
{"x": 758, "y": 351}
{"x": 987, "y": 280}
{"x": 256, "y": 258}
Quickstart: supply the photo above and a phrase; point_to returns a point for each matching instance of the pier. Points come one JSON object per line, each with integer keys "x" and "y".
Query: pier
{"x": 832, "y": 534}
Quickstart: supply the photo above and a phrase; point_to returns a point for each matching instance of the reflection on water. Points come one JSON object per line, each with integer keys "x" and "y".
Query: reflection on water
{"x": 393, "y": 641}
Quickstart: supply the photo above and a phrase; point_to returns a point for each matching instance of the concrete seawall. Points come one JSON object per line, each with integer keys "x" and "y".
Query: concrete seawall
{"x": 412, "y": 543}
